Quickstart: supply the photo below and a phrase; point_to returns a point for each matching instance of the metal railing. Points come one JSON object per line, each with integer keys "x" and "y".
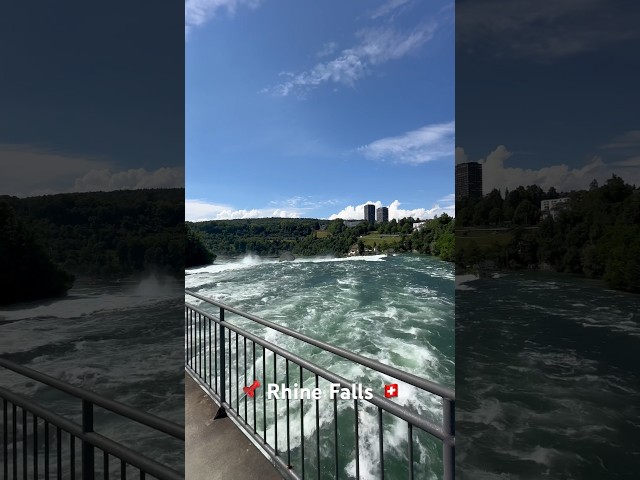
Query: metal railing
{"x": 214, "y": 348}
{"x": 38, "y": 443}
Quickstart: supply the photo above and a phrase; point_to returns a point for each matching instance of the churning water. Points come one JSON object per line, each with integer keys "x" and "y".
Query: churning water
{"x": 122, "y": 340}
{"x": 548, "y": 378}
{"x": 396, "y": 309}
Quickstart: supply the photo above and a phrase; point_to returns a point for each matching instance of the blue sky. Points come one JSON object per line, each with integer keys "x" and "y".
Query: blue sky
{"x": 312, "y": 109}
{"x": 84, "y": 109}
{"x": 545, "y": 91}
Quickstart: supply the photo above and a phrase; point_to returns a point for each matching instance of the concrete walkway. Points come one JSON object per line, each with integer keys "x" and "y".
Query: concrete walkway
{"x": 218, "y": 449}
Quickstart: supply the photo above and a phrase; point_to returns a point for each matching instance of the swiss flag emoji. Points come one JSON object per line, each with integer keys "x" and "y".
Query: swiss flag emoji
{"x": 391, "y": 390}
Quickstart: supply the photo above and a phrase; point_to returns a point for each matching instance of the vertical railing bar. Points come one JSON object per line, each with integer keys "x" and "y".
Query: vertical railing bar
{"x": 24, "y": 444}
{"x": 230, "y": 372}
{"x": 335, "y": 435}
{"x": 88, "y": 461}
{"x": 72, "y": 461}
{"x": 59, "y": 453}
{"x": 5, "y": 439}
{"x": 254, "y": 374}
{"x": 355, "y": 409}
{"x": 187, "y": 313}
{"x": 264, "y": 397}
{"x": 448, "y": 451}
{"x": 215, "y": 356}
{"x": 46, "y": 450}
{"x": 301, "y": 422}
{"x": 186, "y": 330}
{"x": 318, "y": 428}
{"x": 237, "y": 378}
{"x": 381, "y": 442}
{"x": 204, "y": 349}
{"x": 15, "y": 441}
{"x": 244, "y": 340}
{"x": 142, "y": 474}
{"x": 410, "y": 442}
{"x": 288, "y": 418}
{"x": 199, "y": 347}
{"x": 223, "y": 367}
{"x": 123, "y": 470}
{"x": 35, "y": 446}
{"x": 275, "y": 403}
{"x": 105, "y": 460}
{"x": 210, "y": 350}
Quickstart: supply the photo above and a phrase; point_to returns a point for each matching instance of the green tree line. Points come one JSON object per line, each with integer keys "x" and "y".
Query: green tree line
{"x": 595, "y": 233}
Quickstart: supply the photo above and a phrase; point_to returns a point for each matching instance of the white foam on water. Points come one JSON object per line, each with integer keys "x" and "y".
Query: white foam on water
{"x": 346, "y": 302}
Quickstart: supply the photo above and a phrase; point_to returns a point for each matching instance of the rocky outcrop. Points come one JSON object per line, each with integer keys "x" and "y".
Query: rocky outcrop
{"x": 286, "y": 257}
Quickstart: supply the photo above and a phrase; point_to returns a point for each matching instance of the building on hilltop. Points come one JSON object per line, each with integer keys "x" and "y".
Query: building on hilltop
{"x": 552, "y": 206}
{"x": 419, "y": 225}
{"x": 469, "y": 180}
{"x": 370, "y": 213}
{"x": 382, "y": 215}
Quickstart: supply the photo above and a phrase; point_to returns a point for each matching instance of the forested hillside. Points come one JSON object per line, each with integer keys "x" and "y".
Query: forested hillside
{"x": 309, "y": 237}
{"x": 107, "y": 233}
{"x": 596, "y": 233}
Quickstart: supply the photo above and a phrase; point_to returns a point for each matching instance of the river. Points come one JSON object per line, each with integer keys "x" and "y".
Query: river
{"x": 396, "y": 309}
{"x": 548, "y": 378}
{"x": 121, "y": 339}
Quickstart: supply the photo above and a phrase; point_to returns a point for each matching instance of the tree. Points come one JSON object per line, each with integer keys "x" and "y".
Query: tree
{"x": 195, "y": 251}
{"x": 27, "y": 272}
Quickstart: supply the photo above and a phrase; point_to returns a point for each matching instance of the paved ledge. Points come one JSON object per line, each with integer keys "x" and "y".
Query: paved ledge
{"x": 218, "y": 450}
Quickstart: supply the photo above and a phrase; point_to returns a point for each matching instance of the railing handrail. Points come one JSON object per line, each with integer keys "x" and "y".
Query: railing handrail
{"x": 378, "y": 400}
{"x": 407, "y": 377}
{"x": 144, "y": 418}
{"x": 95, "y": 439}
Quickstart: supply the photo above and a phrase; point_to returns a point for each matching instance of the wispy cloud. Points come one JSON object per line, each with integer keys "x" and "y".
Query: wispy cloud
{"x": 628, "y": 141}
{"x": 375, "y": 47}
{"x": 544, "y": 30}
{"x": 63, "y": 173}
{"x": 327, "y": 49}
{"x": 300, "y": 204}
{"x": 390, "y": 6}
{"x": 497, "y": 174}
{"x": 426, "y": 144}
{"x": 198, "y": 12}
{"x": 445, "y": 205}
{"x": 200, "y": 210}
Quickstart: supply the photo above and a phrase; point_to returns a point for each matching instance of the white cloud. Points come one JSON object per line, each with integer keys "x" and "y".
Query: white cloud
{"x": 496, "y": 174}
{"x": 376, "y": 46}
{"x": 357, "y": 213}
{"x": 327, "y": 49}
{"x": 55, "y": 172}
{"x": 627, "y": 141}
{"x": 198, "y": 12}
{"x": 426, "y": 144}
{"x": 461, "y": 157}
{"x": 133, "y": 179}
{"x": 61, "y": 173}
{"x": 199, "y": 210}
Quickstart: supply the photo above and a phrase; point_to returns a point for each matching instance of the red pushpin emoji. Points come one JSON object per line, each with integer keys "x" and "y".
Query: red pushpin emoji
{"x": 251, "y": 390}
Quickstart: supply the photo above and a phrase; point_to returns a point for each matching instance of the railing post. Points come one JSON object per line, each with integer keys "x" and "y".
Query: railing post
{"x": 449, "y": 451}
{"x": 88, "y": 463}
{"x": 223, "y": 378}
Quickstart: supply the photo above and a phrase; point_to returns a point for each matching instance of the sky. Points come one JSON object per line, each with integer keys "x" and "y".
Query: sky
{"x": 313, "y": 109}
{"x": 92, "y": 96}
{"x": 547, "y": 92}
